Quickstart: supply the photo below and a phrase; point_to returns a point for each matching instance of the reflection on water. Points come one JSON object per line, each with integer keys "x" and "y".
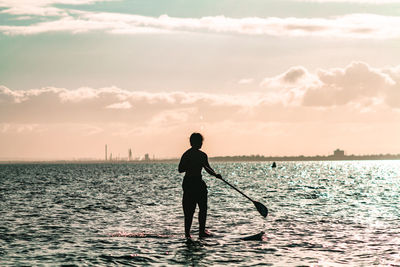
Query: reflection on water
{"x": 191, "y": 254}
{"x": 321, "y": 213}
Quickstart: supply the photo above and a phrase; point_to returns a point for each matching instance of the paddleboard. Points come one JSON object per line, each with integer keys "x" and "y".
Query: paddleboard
{"x": 256, "y": 237}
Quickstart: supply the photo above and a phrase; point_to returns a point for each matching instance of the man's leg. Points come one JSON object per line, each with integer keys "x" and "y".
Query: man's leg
{"x": 189, "y": 205}
{"x": 203, "y": 213}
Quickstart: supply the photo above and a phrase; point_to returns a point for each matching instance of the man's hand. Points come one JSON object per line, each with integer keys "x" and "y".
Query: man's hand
{"x": 218, "y": 176}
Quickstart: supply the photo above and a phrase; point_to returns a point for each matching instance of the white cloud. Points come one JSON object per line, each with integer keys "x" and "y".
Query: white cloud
{"x": 294, "y": 76}
{"x": 77, "y": 95}
{"x": 175, "y": 116}
{"x": 356, "y": 92}
{"x": 40, "y": 7}
{"x": 294, "y": 95}
{"x": 18, "y": 128}
{"x": 245, "y": 81}
{"x": 111, "y": 104}
{"x": 349, "y": 26}
{"x": 47, "y": 8}
{"x": 74, "y": 123}
{"x": 122, "y": 105}
{"x": 357, "y": 82}
{"x": 289, "y": 86}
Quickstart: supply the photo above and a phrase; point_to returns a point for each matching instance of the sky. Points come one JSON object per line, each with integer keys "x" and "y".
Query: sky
{"x": 268, "y": 77}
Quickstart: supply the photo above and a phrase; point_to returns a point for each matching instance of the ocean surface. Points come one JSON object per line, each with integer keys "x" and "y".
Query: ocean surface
{"x": 337, "y": 213}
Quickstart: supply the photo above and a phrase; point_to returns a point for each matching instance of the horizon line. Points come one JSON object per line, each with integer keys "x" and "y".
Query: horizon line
{"x": 217, "y": 158}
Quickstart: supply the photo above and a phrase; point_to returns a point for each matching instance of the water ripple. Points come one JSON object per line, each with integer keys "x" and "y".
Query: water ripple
{"x": 321, "y": 213}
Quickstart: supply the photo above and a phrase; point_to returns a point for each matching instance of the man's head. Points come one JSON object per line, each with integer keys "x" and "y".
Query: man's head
{"x": 196, "y": 140}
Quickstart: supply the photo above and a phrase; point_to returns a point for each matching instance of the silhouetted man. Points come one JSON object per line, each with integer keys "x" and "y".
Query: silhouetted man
{"x": 194, "y": 188}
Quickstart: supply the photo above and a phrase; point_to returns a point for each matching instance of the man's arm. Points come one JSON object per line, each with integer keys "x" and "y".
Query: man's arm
{"x": 210, "y": 170}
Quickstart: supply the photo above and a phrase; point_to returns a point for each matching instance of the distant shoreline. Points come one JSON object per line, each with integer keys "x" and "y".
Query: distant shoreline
{"x": 307, "y": 158}
{"x": 256, "y": 158}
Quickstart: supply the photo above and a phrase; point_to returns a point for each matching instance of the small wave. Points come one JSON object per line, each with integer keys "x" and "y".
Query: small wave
{"x": 124, "y": 259}
{"x": 304, "y": 245}
{"x": 332, "y": 250}
{"x": 140, "y": 235}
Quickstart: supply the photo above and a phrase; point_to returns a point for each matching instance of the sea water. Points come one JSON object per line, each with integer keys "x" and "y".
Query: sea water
{"x": 335, "y": 213}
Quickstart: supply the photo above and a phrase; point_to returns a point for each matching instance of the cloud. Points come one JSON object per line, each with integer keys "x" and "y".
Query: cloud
{"x": 349, "y": 26}
{"x": 40, "y": 7}
{"x": 122, "y": 105}
{"x": 357, "y": 85}
{"x": 169, "y": 117}
{"x": 63, "y": 123}
{"x": 78, "y": 25}
{"x": 356, "y": 92}
{"x": 289, "y": 86}
{"x": 47, "y": 7}
{"x": 111, "y": 104}
{"x": 356, "y": 82}
{"x": 246, "y": 81}
{"x": 292, "y": 96}
{"x": 296, "y": 75}
{"x": 19, "y": 128}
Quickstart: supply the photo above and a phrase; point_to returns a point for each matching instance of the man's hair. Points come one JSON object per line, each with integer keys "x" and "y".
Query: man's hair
{"x": 196, "y": 139}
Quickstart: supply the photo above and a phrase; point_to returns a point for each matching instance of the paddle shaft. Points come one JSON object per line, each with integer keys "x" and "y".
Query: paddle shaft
{"x": 212, "y": 171}
{"x": 237, "y": 190}
{"x": 260, "y": 207}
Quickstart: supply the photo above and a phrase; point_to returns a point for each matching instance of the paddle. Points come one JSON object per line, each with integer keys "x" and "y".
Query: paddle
{"x": 260, "y": 207}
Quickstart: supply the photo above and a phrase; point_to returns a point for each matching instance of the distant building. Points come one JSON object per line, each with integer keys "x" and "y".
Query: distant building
{"x": 338, "y": 153}
{"x": 146, "y": 157}
{"x": 106, "y": 153}
{"x": 130, "y": 154}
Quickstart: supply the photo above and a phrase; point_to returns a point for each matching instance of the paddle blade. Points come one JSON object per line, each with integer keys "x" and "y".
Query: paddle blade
{"x": 261, "y": 208}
